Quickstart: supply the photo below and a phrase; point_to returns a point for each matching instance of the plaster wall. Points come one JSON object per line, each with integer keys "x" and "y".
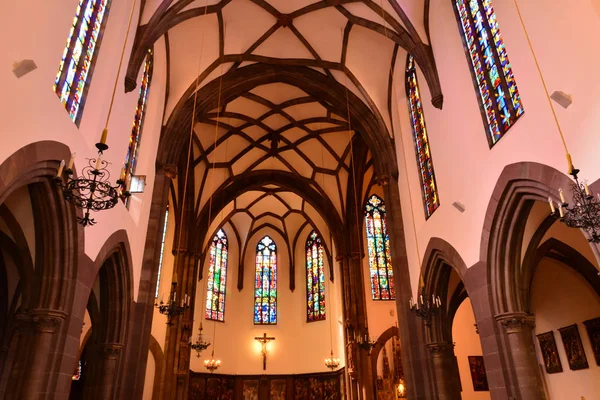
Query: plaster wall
{"x": 467, "y": 344}
{"x": 149, "y": 380}
{"x": 561, "y": 297}
{"x": 32, "y": 112}
{"x": 466, "y": 168}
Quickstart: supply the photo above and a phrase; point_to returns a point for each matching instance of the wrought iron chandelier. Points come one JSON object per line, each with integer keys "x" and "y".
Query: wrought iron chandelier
{"x": 200, "y": 344}
{"x": 425, "y": 309}
{"x": 365, "y": 342}
{"x": 331, "y": 362}
{"x": 584, "y": 213}
{"x": 173, "y": 308}
{"x": 91, "y": 191}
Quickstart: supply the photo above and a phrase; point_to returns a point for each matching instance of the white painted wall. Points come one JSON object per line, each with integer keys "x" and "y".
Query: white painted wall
{"x": 561, "y": 297}
{"x": 467, "y": 344}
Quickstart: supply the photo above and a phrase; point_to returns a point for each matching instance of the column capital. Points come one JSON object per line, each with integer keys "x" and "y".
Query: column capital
{"x": 382, "y": 180}
{"x": 47, "y": 321}
{"x": 440, "y": 349}
{"x": 516, "y": 322}
{"x": 170, "y": 170}
{"x": 111, "y": 351}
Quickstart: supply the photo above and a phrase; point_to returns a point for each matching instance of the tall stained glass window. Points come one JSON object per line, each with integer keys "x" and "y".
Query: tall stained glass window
{"x": 217, "y": 278}
{"x": 162, "y": 251}
{"x": 378, "y": 242}
{"x": 265, "y": 283}
{"x": 136, "y": 130}
{"x": 75, "y": 67}
{"x": 417, "y": 120}
{"x": 315, "y": 279}
{"x": 498, "y": 94}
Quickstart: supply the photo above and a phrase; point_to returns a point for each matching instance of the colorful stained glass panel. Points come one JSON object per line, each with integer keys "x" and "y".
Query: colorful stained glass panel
{"x": 421, "y": 140}
{"x": 378, "y": 243}
{"x": 265, "y": 283}
{"x": 498, "y": 93}
{"x": 315, "y": 279}
{"x": 217, "y": 278}
{"x": 77, "y": 59}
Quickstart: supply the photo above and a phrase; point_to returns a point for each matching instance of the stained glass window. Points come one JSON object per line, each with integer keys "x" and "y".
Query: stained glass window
{"x": 217, "y": 278}
{"x": 162, "y": 251}
{"x": 136, "y": 130}
{"x": 77, "y": 374}
{"x": 265, "y": 283}
{"x": 378, "y": 242}
{"x": 498, "y": 94}
{"x": 77, "y": 60}
{"x": 417, "y": 120}
{"x": 315, "y": 278}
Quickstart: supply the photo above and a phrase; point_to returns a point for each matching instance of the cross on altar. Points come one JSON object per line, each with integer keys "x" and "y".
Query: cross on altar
{"x": 264, "y": 340}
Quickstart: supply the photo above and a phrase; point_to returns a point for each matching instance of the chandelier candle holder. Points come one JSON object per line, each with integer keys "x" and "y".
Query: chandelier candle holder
{"x": 331, "y": 362}
{"x": 212, "y": 365}
{"x": 425, "y": 309}
{"x": 173, "y": 308}
{"x": 200, "y": 344}
{"x": 584, "y": 213}
{"x": 365, "y": 342}
{"x": 91, "y": 191}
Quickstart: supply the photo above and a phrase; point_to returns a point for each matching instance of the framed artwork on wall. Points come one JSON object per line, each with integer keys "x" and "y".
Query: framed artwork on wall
{"x": 478, "y": 375}
{"x": 593, "y": 330}
{"x": 573, "y": 347}
{"x": 278, "y": 389}
{"x": 550, "y": 352}
{"x": 250, "y": 390}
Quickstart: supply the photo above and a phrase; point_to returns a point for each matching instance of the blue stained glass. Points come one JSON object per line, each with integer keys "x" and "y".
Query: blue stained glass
{"x": 78, "y": 56}
{"x": 501, "y": 102}
{"x": 265, "y": 283}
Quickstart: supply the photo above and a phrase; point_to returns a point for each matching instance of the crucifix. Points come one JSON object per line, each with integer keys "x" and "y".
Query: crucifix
{"x": 264, "y": 340}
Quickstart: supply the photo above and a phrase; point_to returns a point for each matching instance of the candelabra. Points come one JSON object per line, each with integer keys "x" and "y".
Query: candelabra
{"x": 172, "y": 308}
{"x": 331, "y": 362}
{"x": 585, "y": 211}
{"x": 91, "y": 191}
{"x": 200, "y": 344}
{"x": 425, "y": 309}
{"x": 212, "y": 365}
{"x": 364, "y": 342}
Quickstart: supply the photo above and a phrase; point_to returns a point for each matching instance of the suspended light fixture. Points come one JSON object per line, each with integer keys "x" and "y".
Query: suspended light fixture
{"x": 92, "y": 190}
{"x": 200, "y": 344}
{"x": 172, "y": 307}
{"x": 212, "y": 365}
{"x": 425, "y": 308}
{"x": 331, "y": 362}
{"x": 584, "y": 212}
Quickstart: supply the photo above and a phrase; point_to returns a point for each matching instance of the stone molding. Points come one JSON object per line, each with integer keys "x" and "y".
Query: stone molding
{"x": 440, "y": 349}
{"x": 111, "y": 351}
{"x": 516, "y": 322}
{"x": 48, "y": 321}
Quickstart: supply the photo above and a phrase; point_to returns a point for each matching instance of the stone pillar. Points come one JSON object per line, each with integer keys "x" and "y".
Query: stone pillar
{"x": 521, "y": 350}
{"x": 411, "y": 335}
{"x": 444, "y": 368}
{"x": 17, "y": 356}
{"x": 37, "y": 371}
{"x": 109, "y": 357}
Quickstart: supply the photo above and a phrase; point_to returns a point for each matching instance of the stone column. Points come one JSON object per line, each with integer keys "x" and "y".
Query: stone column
{"x": 411, "y": 335}
{"x": 17, "y": 356}
{"x": 444, "y": 368}
{"x": 521, "y": 350}
{"x": 36, "y": 372}
{"x": 109, "y": 357}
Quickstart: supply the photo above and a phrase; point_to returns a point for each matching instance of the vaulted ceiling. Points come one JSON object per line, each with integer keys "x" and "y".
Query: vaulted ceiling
{"x": 277, "y": 90}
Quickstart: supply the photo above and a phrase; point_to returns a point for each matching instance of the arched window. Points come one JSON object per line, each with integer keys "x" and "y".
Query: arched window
{"x": 78, "y": 57}
{"x": 417, "y": 120}
{"x": 162, "y": 251}
{"x": 498, "y": 94}
{"x": 217, "y": 278}
{"x": 378, "y": 242}
{"x": 136, "y": 130}
{"x": 315, "y": 278}
{"x": 265, "y": 283}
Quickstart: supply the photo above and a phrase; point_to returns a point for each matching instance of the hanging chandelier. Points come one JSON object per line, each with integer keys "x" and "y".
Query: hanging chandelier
{"x": 584, "y": 213}
{"x": 425, "y": 309}
{"x": 200, "y": 344}
{"x": 365, "y": 342}
{"x": 212, "y": 364}
{"x": 331, "y": 362}
{"x": 172, "y": 308}
{"x": 92, "y": 191}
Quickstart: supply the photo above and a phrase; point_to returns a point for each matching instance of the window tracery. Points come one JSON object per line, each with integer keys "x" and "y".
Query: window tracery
{"x": 265, "y": 283}
{"x": 378, "y": 244}
{"x": 315, "y": 278}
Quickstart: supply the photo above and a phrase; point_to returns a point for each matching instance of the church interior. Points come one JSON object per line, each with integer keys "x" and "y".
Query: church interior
{"x": 300, "y": 199}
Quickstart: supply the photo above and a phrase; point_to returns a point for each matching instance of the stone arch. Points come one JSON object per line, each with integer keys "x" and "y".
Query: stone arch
{"x": 381, "y": 341}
